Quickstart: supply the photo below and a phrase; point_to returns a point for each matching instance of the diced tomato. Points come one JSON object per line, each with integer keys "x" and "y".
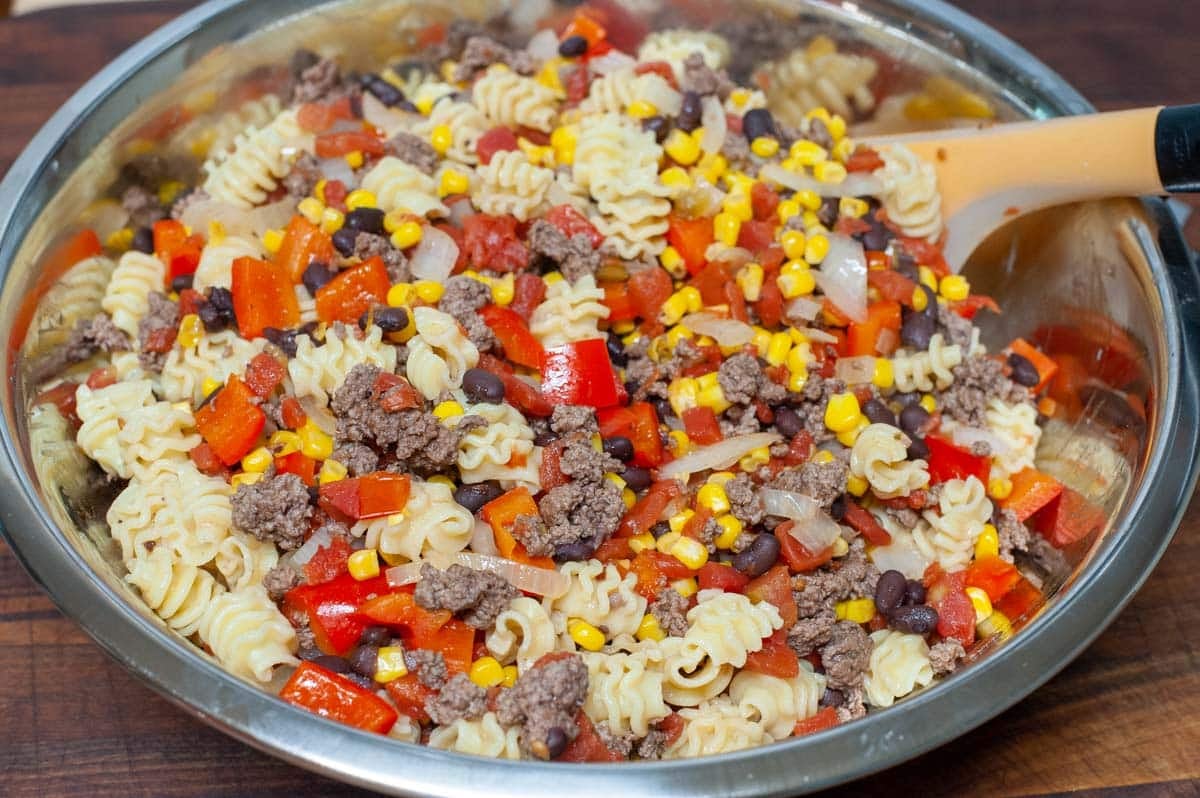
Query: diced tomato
{"x": 1031, "y": 491}
{"x": 332, "y": 609}
{"x": 335, "y": 195}
{"x": 400, "y": 611}
{"x": 1068, "y": 519}
{"x": 293, "y": 414}
{"x": 775, "y": 587}
{"x": 411, "y": 695}
{"x": 319, "y": 117}
{"x": 498, "y": 139}
{"x": 691, "y": 238}
{"x": 353, "y": 292}
{"x": 580, "y": 373}
{"x": 303, "y": 243}
{"x": 588, "y": 746}
{"x": 329, "y": 562}
{"x": 491, "y": 242}
{"x": 572, "y": 223}
{"x": 1045, "y": 365}
{"x": 926, "y": 254}
{"x": 654, "y": 571}
{"x": 550, "y": 473}
{"x": 775, "y": 658}
{"x": 968, "y": 308}
{"x": 701, "y": 426}
{"x": 826, "y": 718}
{"x": 763, "y": 201}
{"x": 660, "y": 68}
{"x": 798, "y": 558}
{"x": 232, "y": 421}
{"x": 711, "y": 281}
{"x": 648, "y": 509}
{"x": 770, "y": 303}
{"x": 577, "y": 84}
{"x": 520, "y": 345}
{"x": 190, "y": 302}
{"x": 528, "y": 292}
{"x": 104, "y": 376}
{"x": 994, "y": 576}
{"x": 892, "y": 285}
{"x": 956, "y": 617}
{"x": 206, "y": 460}
{"x": 179, "y": 251}
{"x": 262, "y": 297}
{"x": 396, "y": 393}
{"x": 329, "y": 695}
{"x": 865, "y": 524}
{"x": 1018, "y": 602}
{"x": 756, "y": 236}
{"x": 864, "y": 159}
{"x": 721, "y": 577}
{"x": 617, "y": 300}
{"x": 335, "y": 145}
{"x": 947, "y": 461}
{"x": 613, "y": 549}
{"x": 648, "y": 290}
{"x": 263, "y": 374}
{"x": 638, "y": 422}
{"x": 501, "y": 515}
{"x": 299, "y": 464}
{"x": 62, "y": 396}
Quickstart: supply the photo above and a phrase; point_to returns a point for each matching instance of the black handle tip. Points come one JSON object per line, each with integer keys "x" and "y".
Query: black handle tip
{"x": 1177, "y": 148}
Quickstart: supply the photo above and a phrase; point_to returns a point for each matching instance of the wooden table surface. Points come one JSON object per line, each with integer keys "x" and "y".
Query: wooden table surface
{"x": 1125, "y": 715}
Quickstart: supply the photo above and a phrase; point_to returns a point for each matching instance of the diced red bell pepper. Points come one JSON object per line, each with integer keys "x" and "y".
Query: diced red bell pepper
{"x": 501, "y": 515}
{"x": 947, "y": 461}
{"x": 865, "y": 524}
{"x": 262, "y": 297}
{"x": 588, "y": 746}
{"x": 585, "y": 24}
{"x": 969, "y": 308}
{"x": 456, "y": 641}
{"x": 571, "y": 223}
{"x": 190, "y": 302}
{"x": 353, "y": 292}
{"x": 335, "y": 145}
{"x": 1068, "y": 519}
{"x": 617, "y": 300}
{"x": 520, "y": 345}
{"x": 303, "y": 243}
{"x": 691, "y": 238}
{"x": 798, "y": 558}
{"x": 775, "y": 658}
{"x": 179, "y": 251}
{"x": 864, "y": 159}
{"x": 335, "y": 195}
{"x": 1045, "y": 365}
{"x": 994, "y": 576}
{"x": 411, "y": 695}
{"x": 371, "y": 496}
{"x": 861, "y": 337}
{"x": 1020, "y": 601}
{"x": 528, "y": 292}
{"x": 648, "y": 290}
{"x": 293, "y": 414}
{"x": 492, "y": 242}
{"x": 926, "y": 254}
{"x": 775, "y": 587}
{"x": 297, "y": 463}
{"x": 400, "y": 611}
{"x": 498, "y": 139}
{"x": 718, "y": 576}
{"x": 332, "y": 609}
{"x": 648, "y": 509}
{"x": 206, "y": 460}
{"x": 525, "y": 397}
{"x": 329, "y": 562}
{"x": 324, "y": 693}
{"x": 613, "y": 549}
{"x": 580, "y": 373}
{"x": 263, "y": 374}
{"x": 662, "y": 69}
{"x": 1031, "y": 491}
{"x": 639, "y": 423}
{"x": 700, "y": 424}
{"x": 319, "y": 117}
{"x": 104, "y": 376}
{"x": 232, "y": 421}
{"x": 891, "y": 284}
{"x": 756, "y": 236}
{"x": 826, "y": 718}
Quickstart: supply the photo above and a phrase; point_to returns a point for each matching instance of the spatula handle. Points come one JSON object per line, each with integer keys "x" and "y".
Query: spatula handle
{"x": 1177, "y": 148}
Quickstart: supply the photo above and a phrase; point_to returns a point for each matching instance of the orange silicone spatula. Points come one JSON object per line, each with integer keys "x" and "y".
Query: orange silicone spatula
{"x": 988, "y": 176}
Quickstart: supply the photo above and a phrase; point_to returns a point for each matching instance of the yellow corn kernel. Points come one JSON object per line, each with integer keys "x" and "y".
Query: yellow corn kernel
{"x": 448, "y": 409}
{"x": 764, "y": 147}
{"x": 673, "y": 309}
{"x": 441, "y": 138}
{"x": 311, "y": 208}
{"x": 549, "y": 278}
{"x": 191, "y": 330}
{"x": 429, "y": 290}
{"x": 682, "y": 148}
{"x": 642, "y": 542}
{"x": 650, "y": 629}
{"x": 361, "y": 198}
{"x": 209, "y": 385}
{"x": 929, "y": 403}
{"x": 319, "y": 190}
{"x": 675, "y": 177}
{"x": 920, "y": 299}
{"x": 390, "y": 665}
{"x": 840, "y": 547}
{"x": 726, "y": 228}
{"x": 272, "y": 240}
{"x": 120, "y": 240}
{"x": 797, "y": 380}
{"x": 778, "y": 348}
{"x": 750, "y": 281}
{"x": 691, "y": 295}
{"x": 988, "y": 543}
{"x": 563, "y": 141}
{"x": 798, "y": 283}
{"x": 676, "y": 523}
{"x": 848, "y": 437}
{"x": 284, "y": 442}
{"x": 731, "y": 527}
{"x": 738, "y": 205}
{"x": 807, "y": 200}
{"x": 537, "y": 156}
{"x": 836, "y": 126}
{"x": 1000, "y": 488}
{"x": 680, "y": 443}
{"x": 400, "y": 294}
{"x": 407, "y": 234}
{"x": 686, "y": 587}
{"x": 787, "y": 209}
{"x": 168, "y": 191}
{"x": 486, "y": 672}
{"x": 739, "y": 97}
{"x": 628, "y": 498}
{"x": 823, "y": 456}
{"x": 672, "y": 261}
{"x": 585, "y": 635}
{"x": 793, "y": 242}
{"x": 623, "y": 327}
{"x": 955, "y": 287}
{"x": 642, "y": 109}
{"x": 712, "y": 167}
{"x": 331, "y": 471}
{"x": 797, "y": 360}
{"x": 548, "y": 74}
{"x": 853, "y": 206}
{"x": 442, "y": 479}
{"x": 363, "y": 564}
{"x": 712, "y": 496}
{"x": 510, "y": 675}
{"x": 926, "y": 277}
{"x": 816, "y": 249}
{"x": 808, "y": 153}
{"x": 355, "y": 159}
{"x": 830, "y": 172}
{"x": 981, "y": 603}
{"x": 755, "y": 459}
{"x": 504, "y": 290}
{"x": 332, "y": 220}
{"x": 453, "y": 182}
{"x": 678, "y": 333}
{"x": 843, "y": 149}
{"x": 842, "y": 412}
{"x": 314, "y": 442}
{"x": 856, "y": 485}
{"x": 761, "y": 340}
{"x": 997, "y": 624}
{"x": 884, "y": 376}
{"x": 258, "y": 460}
{"x": 713, "y": 397}
{"x": 690, "y": 552}
{"x": 681, "y": 393}
{"x": 245, "y": 478}
{"x": 859, "y": 610}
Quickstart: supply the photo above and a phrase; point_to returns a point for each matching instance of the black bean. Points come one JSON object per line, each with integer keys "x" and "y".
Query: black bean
{"x": 385, "y": 92}
{"x": 906, "y": 264}
{"x": 917, "y": 330}
{"x": 663, "y": 408}
{"x": 636, "y": 479}
{"x": 573, "y": 47}
{"x": 878, "y": 237}
{"x": 143, "y": 240}
{"x": 837, "y": 510}
{"x": 919, "y": 619}
{"x": 391, "y": 319}
{"x": 832, "y": 698}
{"x": 545, "y": 437}
{"x": 375, "y": 636}
{"x": 619, "y": 447}
{"x": 284, "y": 339}
{"x": 361, "y": 681}
{"x": 483, "y": 386}
{"x": 759, "y": 557}
{"x": 914, "y": 592}
{"x": 889, "y": 591}
{"x": 878, "y": 413}
{"x": 827, "y": 214}
{"x": 918, "y": 449}
{"x": 473, "y": 497}
{"x": 332, "y": 663}
{"x": 660, "y": 529}
{"x": 302, "y": 60}
{"x": 931, "y": 303}
{"x": 913, "y": 418}
{"x": 309, "y": 653}
{"x": 343, "y": 241}
{"x": 180, "y": 282}
{"x": 788, "y": 421}
{"x": 556, "y": 738}
{"x": 758, "y": 122}
{"x": 363, "y": 660}
{"x": 212, "y": 317}
{"x": 660, "y": 126}
{"x": 616, "y": 351}
{"x": 1023, "y": 371}
{"x": 368, "y": 220}
{"x": 689, "y": 112}
{"x": 579, "y": 550}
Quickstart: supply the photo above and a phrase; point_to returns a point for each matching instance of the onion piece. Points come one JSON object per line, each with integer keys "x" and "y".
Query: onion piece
{"x": 610, "y": 62}
{"x": 407, "y": 574}
{"x": 434, "y": 257}
{"x": 718, "y": 455}
{"x": 900, "y": 555}
{"x": 659, "y": 93}
{"x": 723, "y": 253}
{"x": 965, "y": 436}
{"x": 318, "y": 540}
{"x": 843, "y": 277}
{"x": 483, "y": 539}
{"x": 802, "y": 308}
{"x": 105, "y": 217}
{"x": 390, "y": 120}
{"x": 338, "y": 169}
{"x": 727, "y": 332}
{"x": 716, "y": 126}
{"x": 856, "y": 184}
{"x": 540, "y": 581}
{"x": 811, "y": 525}
{"x": 543, "y": 45}
{"x": 855, "y": 370}
{"x": 818, "y": 335}
{"x": 319, "y": 414}
{"x": 201, "y": 213}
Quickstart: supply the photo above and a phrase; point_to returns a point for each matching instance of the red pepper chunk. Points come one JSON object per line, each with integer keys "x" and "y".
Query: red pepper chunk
{"x": 866, "y": 525}
{"x": 713, "y": 575}
{"x": 520, "y": 345}
{"x": 324, "y": 693}
{"x": 411, "y": 696}
{"x": 329, "y": 562}
{"x": 994, "y": 576}
{"x": 335, "y": 145}
{"x": 1068, "y": 519}
{"x": 353, "y": 292}
{"x": 639, "y": 423}
{"x": 263, "y": 297}
{"x": 303, "y": 243}
{"x": 826, "y": 718}
{"x": 371, "y": 496}
{"x": 231, "y": 422}
{"x": 775, "y": 587}
{"x": 179, "y": 251}
{"x": 798, "y": 558}
{"x": 528, "y": 292}
{"x": 862, "y": 338}
{"x": 580, "y": 373}
{"x": 501, "y": 515}
{"x": 947, "y": 461}
{"x": 332, "y": 609}
{"x": 299, "y": 464}
{"x": 1031, "y": 491}
{"x": 700, "y": 424}
{"x": 401, "y": 611}
{"x": 775, "y": 658}
{"x": 691, "y": 238}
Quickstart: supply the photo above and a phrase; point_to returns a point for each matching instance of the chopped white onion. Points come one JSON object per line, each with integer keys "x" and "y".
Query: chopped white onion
{"x": 856, "y": 184}
{"x": 843, "y": 277}
{"x": 718, "y": 455}
{"x": 727, "y": 332}
{"x": 855, "y": 370}
{"x": 811, "y": 525}
{"x": 802, "y": 308}
{"x": 483, "y": 539}
{"x": 723, "y": 253}
{"x": 610, "y": 62}
{"x": 543, "y": 45}
{"x": 338, "y": 169}
{"x": 390, "y": 120}
{"x": 318, "y": 540}
{"x": 531, "y": 579}
{"x": 716, "y": 126}
{"x": 105, "y": 218}
{"x": 406, "y": 574}
{"x": 201, "y": 213}
{"x": 900, "y": 555}
{"x": 319, "y": 414}
{"x": 964, "y": 436}
{"x": 660, "y": 94}
{"x": 434, "y": 257}
{"x": 796, "y": 181}
{"x": 820, "y": 336}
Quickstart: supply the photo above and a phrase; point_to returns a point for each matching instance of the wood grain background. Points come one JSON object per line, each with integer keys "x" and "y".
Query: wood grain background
{"x": 1122, "y": 719}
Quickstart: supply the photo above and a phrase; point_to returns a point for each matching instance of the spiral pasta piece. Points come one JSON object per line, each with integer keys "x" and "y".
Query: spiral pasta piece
{"x": 127, "y": 297}
{"x": 522, "y": 633}
{"x": 507, "y": 98}
{"x": 482, "y": 737}
{"x": 101, "y": 412}
{"x": 899, "y": 664}
{"x": 319, "y": 371}
{"x": 438, "y": 354}
{"x": 400, "y": 186}
{"x": 598, "y": 594}
{"x": 929, "y": 370}
{"x": 216, "y": 356}
{"x": 503, "y": 449}
{"x": 247, "y": 174}
{"x": 715, "y": 727}
{"x": 430, "y": 522}
{"x": 510, "y": 184}
{"x": 950, "y": 534}
{"x": 570, "y": 312}
{"x": 624, "y": 692}
{"x": 910, "y": 193}
{"x": 216, "y": 261}
{"x": 248, "y": 634}
{"x": 180, "y": 594}
{"x": 775, "y": 703}
{"x": 1016, "y": 425}
{"x": 880, "y": 455}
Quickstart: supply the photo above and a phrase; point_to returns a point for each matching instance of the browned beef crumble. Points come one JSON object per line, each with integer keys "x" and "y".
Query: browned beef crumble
{"x": 414, "y": 150}
{"x": 944, "y": 656}
{"x": 1014, "y": 535}
{"x": 955, "y": 329}
{"x": 581, "y": 462}
{"x": 279, "y": 580}
{"x": 812, "y": 632}
{"x": 358, "y": 458}
{"x": 702, "y": 79}
{"x": 320, "y": 82}
{"x": 463, "y": 298}
{"x": 737, "y": 152}
{"x": 652, "y": 745}
{"x": 545, "y": 697}
{"x": 459, "y": 699}
{"x": 574, "y": 256}
{"x": 573, "y": 418}
{"x": 846, "y": 656}
{"x": 89, "y": 336}
{"x": 276, "y": 508}
{"x": 162, "y": 314}
{"x": 475, "y": 596}
{"x": 977, "y": 380}
{"x": 853, "y": 706}
{"x": 458, "y": 33}
{"x": 305, "y": 174}
{"x": 811, "y": 407}
{"x": 582, "y": 512}
{"x": 739, "y": 420}
{"x": 480, "y": 52}
{"x": 142, "y": 206}
{"x": 744, "y": 502}
{"x": 370, "y": 245}
{"x": 652, "y": 378}
{"x": 428, "y": 665}
{"x": 823, "y": 482}
{"x": 620, "y": 744}
{"x": 670, "y": 610}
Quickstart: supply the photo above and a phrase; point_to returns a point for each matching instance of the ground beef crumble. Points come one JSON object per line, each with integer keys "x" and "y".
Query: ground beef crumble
{"x": 743, "y": 380}
{"x": 320, "y": 82}
{"x": 370, "y": 245}
{"x": 823, "y": 482}
{"x": 413, "y": 149}
{"x": 846, "y": 656}
{"x": 142, "y": 206}
{"x": 548, "y": 696}
{"x": 573, "y": 418}
{"x": 620, "y": 744}
{"x": 977, "y": 380}
{"x": 670, "y": 610}
{"x": 89, "y": 336}
{"x": 358, "y": 458}
{"x": 853, "y": 706}
{"x": 156, "y": 331}
{"x": 276, "y": 508}
{"x": 581, "y": 462}
{"x": 811, "y": 407}
{"x": 574, "y": 256}
{"x": 428, "y": 665}
{"x": 279, "y": 580}
{"x": 810, "y": 633}
{"x": 475, "y": 596}
{"x": 459, "y": 699}
{"x": 1014, "y": 535}
{"x": 305, "y": 174}
{"x": 744, "y": 502}
{"x": 944, "y": 656}
{"x": 480, "y": 52}
{"x": 463, "y": 298}
{"x": 580, "y": 512}
{"x": 652, "y": 745}
{"x": 699, "y": 77}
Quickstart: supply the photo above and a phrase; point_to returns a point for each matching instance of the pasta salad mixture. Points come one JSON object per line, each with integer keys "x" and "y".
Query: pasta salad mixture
{"x": 564, "y": 401}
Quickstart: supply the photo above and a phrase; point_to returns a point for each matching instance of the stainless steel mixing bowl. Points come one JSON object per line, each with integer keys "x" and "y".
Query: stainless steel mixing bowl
{"x": 1114, "y": 276}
